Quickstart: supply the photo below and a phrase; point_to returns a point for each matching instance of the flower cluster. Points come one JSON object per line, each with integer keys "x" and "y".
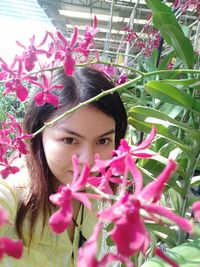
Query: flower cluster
{"x": 184, "y": 5}
{"x": 145, "y": 45}
{"x": 11, "y": 140}
{"x": 60, "y": 52}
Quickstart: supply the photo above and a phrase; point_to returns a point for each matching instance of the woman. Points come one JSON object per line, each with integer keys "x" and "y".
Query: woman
{"x": 95, "y": 128}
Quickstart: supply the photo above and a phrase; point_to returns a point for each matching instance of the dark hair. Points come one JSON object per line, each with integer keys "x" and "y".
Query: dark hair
{"x": 82, "y": 86}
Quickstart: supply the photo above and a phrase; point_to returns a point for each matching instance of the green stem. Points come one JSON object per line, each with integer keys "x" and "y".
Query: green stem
{"x": 180, "y": 71}
{"x": 104, "y": 93}
{"x": 111, "y": 64}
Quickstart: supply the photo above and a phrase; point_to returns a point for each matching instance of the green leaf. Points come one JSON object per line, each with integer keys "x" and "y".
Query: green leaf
{"x": 156, "y": 117}
{"x": 157, "y": 6}
{"x": 161, "y": 19}
{"x": 146, "y": 127}
{"x": 164, "y": 232}
{"x": 181, "y": 44}
{"x": 186, "y": 255}
{"x": 168, "y": 93}
{"x": 184, "y": 82}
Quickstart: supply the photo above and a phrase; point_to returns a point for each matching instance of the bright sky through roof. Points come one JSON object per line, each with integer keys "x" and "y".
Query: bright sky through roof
{"x": 19, "y": 20}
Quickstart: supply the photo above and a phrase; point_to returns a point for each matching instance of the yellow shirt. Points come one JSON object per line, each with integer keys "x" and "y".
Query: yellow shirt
{"x": 48, "y": 250}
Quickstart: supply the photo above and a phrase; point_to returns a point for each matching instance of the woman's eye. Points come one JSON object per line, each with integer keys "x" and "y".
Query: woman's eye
{"x": 70, "y": 141}
{"x": 103, "y": 141}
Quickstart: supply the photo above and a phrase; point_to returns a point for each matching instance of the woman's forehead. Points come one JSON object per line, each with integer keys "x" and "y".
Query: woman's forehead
{"x": 86, "y": 119}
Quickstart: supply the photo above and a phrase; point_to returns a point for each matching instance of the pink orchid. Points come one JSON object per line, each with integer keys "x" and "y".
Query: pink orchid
{"x": 7, "y": 168}
{"x": 88, "y": 39}
{"x": 17, "y": 140}
{"x": 29, "y": 56}
{"x": 12, "y": 248}
{"x": 109, "y": 70}
{"x": 125, "y": 214}
{"x": 102, "y": 182}
{"x": 122, "y": 78}
{"x": 160, "y": 253}
{"x": 46, "y": 96}
{"x": 87, "y": 253}
{"x": 11, "y": 139}
{"x": 123, "y": 161}
{"x": 131, "y": 34}
{"x": 129, "y": 233}
{"x": 65, "y": 50}
{"x": 13, "y": 78}
{"x": 60, "y": 220}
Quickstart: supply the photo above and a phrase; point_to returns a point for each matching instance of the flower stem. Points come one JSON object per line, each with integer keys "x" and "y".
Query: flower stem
{"x": 104, "y": 93}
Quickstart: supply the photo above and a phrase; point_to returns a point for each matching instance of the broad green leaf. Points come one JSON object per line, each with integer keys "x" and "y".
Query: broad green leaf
{"x": 172, "y": 111}
{"x": 157, "y": 6}
{"x": 181, "y": 44}
{"x": 163, "y": 232}
{"x": 184, "y": 82}
{"x": 186, "y": 255}
{"x": 156, "y": 117}
{"x": 146, "y": 127}
{"x": 169, "y": 93}
{"x": 161, "y": 19}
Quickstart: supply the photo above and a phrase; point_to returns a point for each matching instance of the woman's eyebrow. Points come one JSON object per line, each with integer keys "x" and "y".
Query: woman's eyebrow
{"x": 112, "y": 131}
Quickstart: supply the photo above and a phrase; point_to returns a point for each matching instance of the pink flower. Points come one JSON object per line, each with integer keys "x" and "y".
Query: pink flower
{"x": 17, "y": 135}
{"x": 29, "y": 56}
{"x": 129, "y": 232}
{"x": 102, "y": 182}
{"x": 87, "y": 253}
{"x": 13, "y": 78}
{"x": 88, "y": 39}
{"x": 60, "y": 220}
{"x": 123, "y": 161}
{"x": 65, "y": 50}
{"x": 13, "y": 248}
{"x": 8, "y": 169}
{"x": 131, "y": 34}
{"x": 11, "y": 139}
{"x": 122, "y": 78}
{"x": 45, "y": 96}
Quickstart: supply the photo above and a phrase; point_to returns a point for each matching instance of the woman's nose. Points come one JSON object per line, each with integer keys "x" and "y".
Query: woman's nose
{"x": 86, "y": 155}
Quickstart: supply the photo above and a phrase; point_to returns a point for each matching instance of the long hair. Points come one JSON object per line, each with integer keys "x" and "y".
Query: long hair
{"x": 82, "y": 86}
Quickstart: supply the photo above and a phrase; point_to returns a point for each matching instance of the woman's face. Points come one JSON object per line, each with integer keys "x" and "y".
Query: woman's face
{"x": 84, "y": 133}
